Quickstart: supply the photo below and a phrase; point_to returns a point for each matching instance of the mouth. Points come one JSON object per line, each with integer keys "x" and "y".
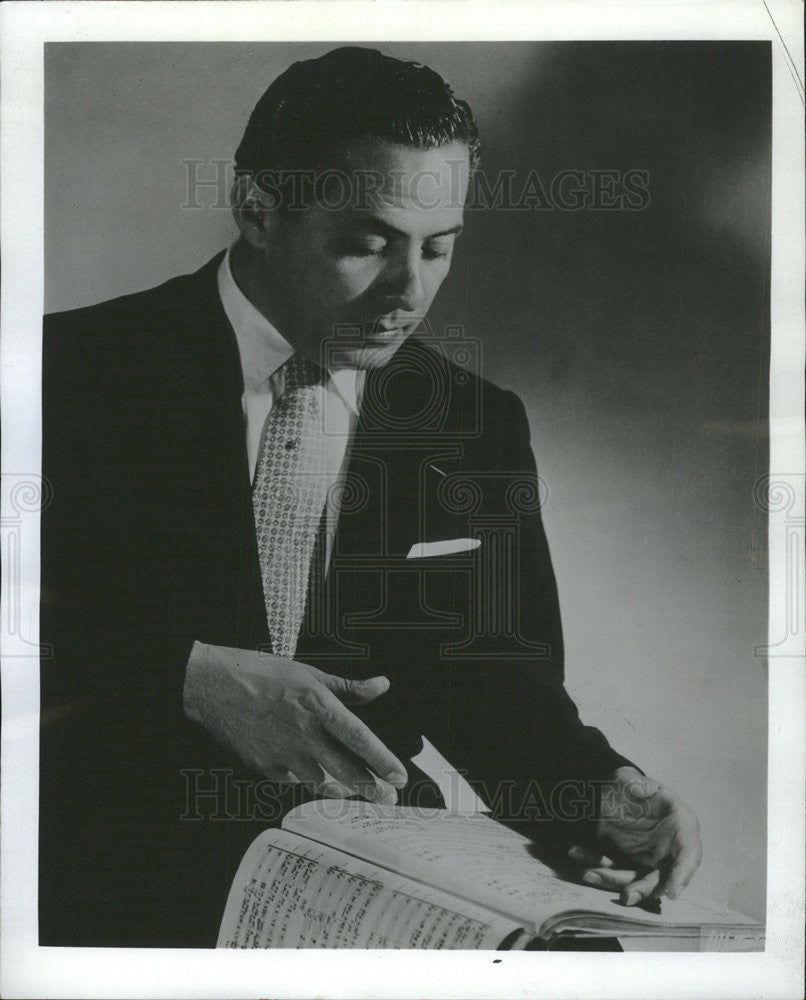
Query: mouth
{"x": 387, "y": 330}
{"x": 371, "y": 343}
{"x": 382, "y": 335}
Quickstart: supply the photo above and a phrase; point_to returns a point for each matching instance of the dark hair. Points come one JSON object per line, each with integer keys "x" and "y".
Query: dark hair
{"x": 314, "y": 110}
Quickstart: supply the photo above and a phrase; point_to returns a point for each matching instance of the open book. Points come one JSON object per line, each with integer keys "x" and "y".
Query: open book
{"x": 350, "y": 874}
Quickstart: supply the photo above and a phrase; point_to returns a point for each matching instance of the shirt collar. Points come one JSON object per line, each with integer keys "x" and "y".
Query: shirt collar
{"x": 262, "y": 347}
{"x": 349, "y": 384}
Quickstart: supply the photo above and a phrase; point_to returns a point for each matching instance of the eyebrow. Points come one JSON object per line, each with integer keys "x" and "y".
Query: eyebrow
{"x": 384, "y": 229}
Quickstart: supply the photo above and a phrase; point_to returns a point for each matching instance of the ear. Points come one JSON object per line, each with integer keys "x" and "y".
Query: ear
{"x": 251, "y": 211}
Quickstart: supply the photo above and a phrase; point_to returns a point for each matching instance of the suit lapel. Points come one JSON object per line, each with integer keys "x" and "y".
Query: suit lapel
{"x": 212, "y": 361}
{"x": 403, "y": 418}
{"x": 389, "y": 500}
{"x": 410, "y": 436}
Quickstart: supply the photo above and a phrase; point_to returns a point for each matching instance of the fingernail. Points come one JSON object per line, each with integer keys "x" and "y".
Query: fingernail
{"x": 592, "y": 878}
{"x": 575, "y": 853}
{"x": 632, "y": 898}
{"x": 396, "y": 778}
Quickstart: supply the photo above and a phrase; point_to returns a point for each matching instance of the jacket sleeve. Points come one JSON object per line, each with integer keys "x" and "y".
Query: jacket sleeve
{"x": 539, "y": 764}
{"x": 113, "y": 737}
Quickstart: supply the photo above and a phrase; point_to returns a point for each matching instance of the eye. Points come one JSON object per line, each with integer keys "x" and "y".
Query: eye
{"x": 437, "y": 251}
{"x": 371, "y": 247}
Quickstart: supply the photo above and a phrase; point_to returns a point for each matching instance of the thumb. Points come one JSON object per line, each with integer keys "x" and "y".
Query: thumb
{"x": 356, "y": 692}
{"x": 642, "y": 787}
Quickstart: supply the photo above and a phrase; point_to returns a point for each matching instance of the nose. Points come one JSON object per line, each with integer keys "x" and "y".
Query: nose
{"x": 404, "y": 283}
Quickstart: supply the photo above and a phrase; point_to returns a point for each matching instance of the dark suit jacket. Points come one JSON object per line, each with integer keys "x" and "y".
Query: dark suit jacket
{"x": 149, "y": 544}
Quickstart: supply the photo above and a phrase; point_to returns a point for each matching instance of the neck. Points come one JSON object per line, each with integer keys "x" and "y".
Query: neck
{"x": 249, "y": 271}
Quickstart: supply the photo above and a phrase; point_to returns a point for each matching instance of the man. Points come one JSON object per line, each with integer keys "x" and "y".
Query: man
{"x": 288, "y": 540}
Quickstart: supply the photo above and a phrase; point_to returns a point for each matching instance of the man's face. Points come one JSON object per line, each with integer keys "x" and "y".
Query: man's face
{"x": 348, "y": 285}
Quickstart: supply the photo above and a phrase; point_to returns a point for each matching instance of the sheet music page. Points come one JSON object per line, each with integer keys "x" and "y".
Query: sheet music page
{"x": 477, "y": 859}
{"x": 290, "y": 892}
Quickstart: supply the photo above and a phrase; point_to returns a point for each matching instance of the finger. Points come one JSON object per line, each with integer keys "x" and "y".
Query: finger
{"x": 337, "y": 762}
{"x": 279, "y": 775}
{"x": 312, "y": 775}
{"x": 588, "y": 857}
{"x": 609, "y": 878}
{"x": 641, "y": 889}
{"x": 353, "y": 692}
{"x": 389, "y": 798}
{"x": 356, "y": 736}
{"x": 683, "y": 870}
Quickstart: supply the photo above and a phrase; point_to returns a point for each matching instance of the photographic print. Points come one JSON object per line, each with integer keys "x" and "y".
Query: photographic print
{"x": 406, "y": 502}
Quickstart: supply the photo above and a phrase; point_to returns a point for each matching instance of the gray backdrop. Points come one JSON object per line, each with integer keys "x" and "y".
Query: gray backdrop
{"x": 638, "y": 340}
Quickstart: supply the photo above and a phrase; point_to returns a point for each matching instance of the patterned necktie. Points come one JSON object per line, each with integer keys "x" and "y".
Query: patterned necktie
{"x": 288, "y": 498}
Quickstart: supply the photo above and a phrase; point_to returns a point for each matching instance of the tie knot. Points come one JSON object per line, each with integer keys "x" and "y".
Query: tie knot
{"x": 300, "y": 372}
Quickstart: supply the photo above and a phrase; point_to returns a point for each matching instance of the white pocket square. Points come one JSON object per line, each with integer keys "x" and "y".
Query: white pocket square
{"x": 422, "y": 550}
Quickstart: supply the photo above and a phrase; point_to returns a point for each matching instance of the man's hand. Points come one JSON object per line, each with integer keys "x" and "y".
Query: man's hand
{"x": 650, "y": 841}
{"x": 288, "y": 721}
